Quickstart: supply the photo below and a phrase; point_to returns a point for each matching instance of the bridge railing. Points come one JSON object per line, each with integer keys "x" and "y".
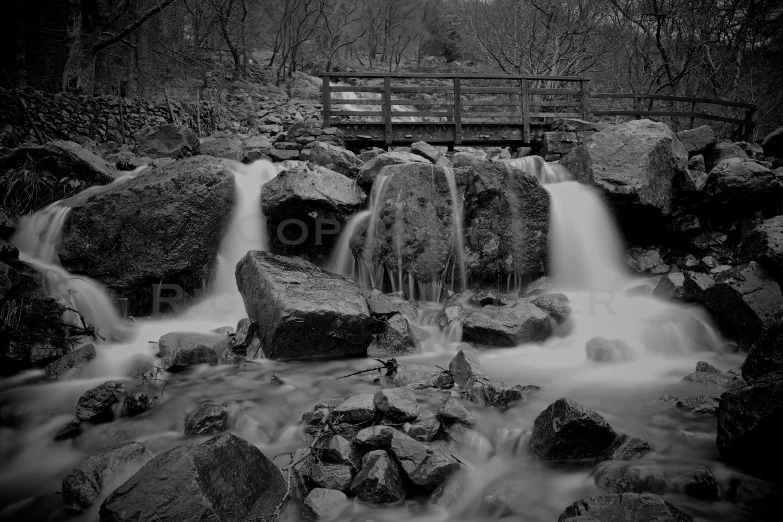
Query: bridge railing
{"x": 456, "y": 103}
{"x": 644, "y": 105}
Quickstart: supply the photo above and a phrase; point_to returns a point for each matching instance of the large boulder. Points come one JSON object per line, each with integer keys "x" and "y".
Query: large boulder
{"x": 766, "y": 354}
{"x": 750, "y": 420}
{"x": 335, "y": 158}
{"x": 222, "y": 147}
{"x": 506, "y": 220}
{"x": 773, "y": 143}
{"x": 414, "y": 225}
{"x": 225, "y": 478}
{"x": 747, "y": 299}
{"x": 369, "y": 172}
{"x": 64, "y": 168}
{"x": 84, "y": 483}
{"x": 724, "y": 151}
{"x": 302, "y": 311}
{"x": 636, "y": 164}
{"x": 167, "y": 141}
{"x": 307, "y": 208}
{"x": 740, "y": 187}
{"x": 765, "y": 244}
{"x": 623, "y": 507}
{"x": 164, "y": 226}
{"x": 566, "y": 431}
{"x": 507, "y": 326}
{"x": 698, "y": 140}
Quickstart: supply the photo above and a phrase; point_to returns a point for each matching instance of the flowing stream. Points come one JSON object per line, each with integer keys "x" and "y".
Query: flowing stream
{"x": 587, "y": 264}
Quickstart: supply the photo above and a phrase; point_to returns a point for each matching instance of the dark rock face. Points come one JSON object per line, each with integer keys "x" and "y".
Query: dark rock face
{"x": 167, "y": 141}
{"x": 335, "y": 158}
{"x": 773, "y": 143}
{"x": 416, "y": 214}
{"x": 724, "y": 151}
{"x": 222, "y": 147}
{"x": 646, "y": 261}
{"x": 322, "y": 200}
{"x": 332, "y": 476}
{"x": 83, "y": 485}
{"x": 506, "y": 218}
{"x": 698, "y": 483}
{"x": 700, "y": 404}
{"x": 426, "y": 151}
{"x": 750, "y": 420}
{"x": 424, "y": 467}
{"x": 765, "y": 245}
{"x": 302, "y": 311}
{"x": 357, "y": 409}
{"x": 397, "y": 403}
{"x": 626, "y": 447}
{"x": 380, "y": 481}
{"x": 397, "y": 338}
{"x": 369, "y": 172}
{"x": 452, "y": 410}
{"x": 566, "y": 430}
{"x": 497, "y": 395}
{"x": 625, "y": 507}
{"x": 636, "y": 164}
{"x": 117, "y": 237}
{"x": 698, "y": 140}
{"x": 209, "y": 419}
{"x": 746, "y": 298}
{"x": 136, "y": 403}
{"x": 452, "y": 311}
{"x": 630, "y": 477}
{"x": 68, "y": 365}
{"x": 737, "y": 186}
{"x": 766, "y": 354}
{"x": 95, "y": 404}
{"x": 466, "y": 369}
{"x": 507, "y": 326}
{"x": 600, "y": 349}
{"x": 225, "y": 478}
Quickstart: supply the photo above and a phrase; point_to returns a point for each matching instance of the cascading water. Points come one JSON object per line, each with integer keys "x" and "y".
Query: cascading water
{"x": 543, "y": 171}
{"x": 456, "y": 228}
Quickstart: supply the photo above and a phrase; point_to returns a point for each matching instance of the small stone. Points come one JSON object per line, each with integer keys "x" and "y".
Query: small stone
{"x": 136, "y": 403}
{"x": 700, "y": 404}
{"x": 452, "y": 411}
{"x": 95, "y": 405}
{"x": 323, "y": 504}
{"x": 600, "y": 349}
{"x": 209, "y": 419}
{"x": 423, "y": 466}
{"x": 357, "y": 409}
{"x": 398, "y": 403}
{"x": 338, "y": 450}
{"x": 497, "y": 395}
{"x": 626, "y": 447}
{"x": 623, "y": 507}
{"x": 557, "y": 305}
{"x": 450, "y": 491}
{"x": 624, "y": 477}
{"x": 425, "y": 430}
{"x": 466, "y": 369}
{"x": 566, "y": 430}
{"x": 706, "y": 367}
{"x": 380, "y": 481}
{"x": 331, "y": 476}
{"x": 375, "y": 437}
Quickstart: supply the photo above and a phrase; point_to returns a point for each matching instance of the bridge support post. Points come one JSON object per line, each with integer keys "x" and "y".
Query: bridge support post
{"x": 525, "y": 101}
{"x": 457, "y": 112}
{"x": 326, "y": 102}
{"x": 387, "y": 117}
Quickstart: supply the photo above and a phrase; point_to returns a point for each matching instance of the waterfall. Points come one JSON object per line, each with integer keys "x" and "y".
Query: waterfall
{"x": 544, "y": 172}
{"x": 341, "y": 261}
{"x": 456, "y": 219}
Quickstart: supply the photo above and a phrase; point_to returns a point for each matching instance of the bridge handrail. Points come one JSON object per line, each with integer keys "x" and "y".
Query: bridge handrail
{"x": 449, "y": 76}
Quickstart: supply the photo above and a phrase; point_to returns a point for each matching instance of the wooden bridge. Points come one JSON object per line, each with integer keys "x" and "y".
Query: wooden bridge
{"x": 491, "y": 109}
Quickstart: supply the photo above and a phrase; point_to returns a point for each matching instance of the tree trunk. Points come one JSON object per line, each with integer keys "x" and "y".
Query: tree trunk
{"x": 79, "y": 73}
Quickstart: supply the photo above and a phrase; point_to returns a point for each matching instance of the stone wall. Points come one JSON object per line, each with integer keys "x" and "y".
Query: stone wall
{"x": 69, "y": 116}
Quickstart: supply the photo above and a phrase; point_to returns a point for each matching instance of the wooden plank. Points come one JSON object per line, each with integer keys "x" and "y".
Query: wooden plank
{"x": 394, "y": 102}
{"x": 683, "y": 114}
{"x": 585, "y": 98}
{"x": 489, "y": 104}
{"x": 432, "y": 89}
{"x": 554, "y": 104}
{"x": 490, "y": 90}
{"x": 326, "y": 101}
{"x": 351, "y": 88}
{"x": 692, "y": 122}
{"x": 525, "y": 102}
{"x": 555, "y": 115}
{"x": 447, "y": 76}
{"x": 387, "y": 110}
{"x": 422, "y": 114}
{"x": 489, "y": 115}
{"x": 457, "y": 112}
{"x": 357, "y": 113}
{"x": 675, "y": 98}
{"x": 554, "y": 91}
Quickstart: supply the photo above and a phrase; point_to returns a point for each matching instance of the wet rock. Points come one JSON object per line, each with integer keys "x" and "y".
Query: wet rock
{"x": 426, "y": 151}
{"x": 773, "y": 143}
{"x": 375, "y": 437}
{"x": 451, "y": 312}
{"x": 740, "y": 187}
{"x": 765, "y": 244}
{"x": 508, "y": 215}
{"x": 703, "y": 366}
{"x": 488, "y": 297}
{"x": 672, "y": 286}
{"x": 698, "y": 483}
{"x": 626, "y": 447}
{"x": 724, "y": 151}
{"x": 708, "y": 375}
{"x": 700, "y": 404}
{"x": 450, "y": 491}
{"x": 646, "y": 261}
{"x": 566, "y": 430}
{"x": 600, "y": 349}
{"x": 323, "y": 504}
{"x": 167, "y": 141}
{"x": 371, "y": 169}
{"x": 368, "y": 154}
{"x": 115, "y": 235}
{"x": 542, "y": 285}
{"x": 69, "y": 365}
{"x": 424, "y": 467}
{"x": 221, "y": 147}
{"x": 635, "y": 164}
{"x": 380, "y": 481}
{"x": 753, "y": 491}
{"x": 338, "y": 450}
{"x": 83, "y": 484}
{"x": 335, "y": 158}
{"x": 557, "y": 305}
{"x": 182, "y": 359}
{"x": 696, "y": 285}
{"x": 451, "y": 411}
{"x": 698, "y": 140}
{"x": 624, "y": 507}
{"x": 497, "y": 395}
{"x": 749, "y": 423}
{"x": 396, "y": 338}
{"x": 397, "y": 403}
{"x": 209, "y": 419}
{"x": 243, "y": 338}
{"x": 136, "y": 403}
{"x": 95, "y": 405}
{"x": 211, "y": 481}
{"x": 425, "y": 430}
{"x": 357, "y": 409}
{"x": 746, "y": 298}
{"x": 766, "y": 354}
{"x": 332, "y": 476}
{"x": 507, "y": 326}
{"x": 624, "y": 477}
{"x": 466, "y": 369}
{"x": 301, "y": 310}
